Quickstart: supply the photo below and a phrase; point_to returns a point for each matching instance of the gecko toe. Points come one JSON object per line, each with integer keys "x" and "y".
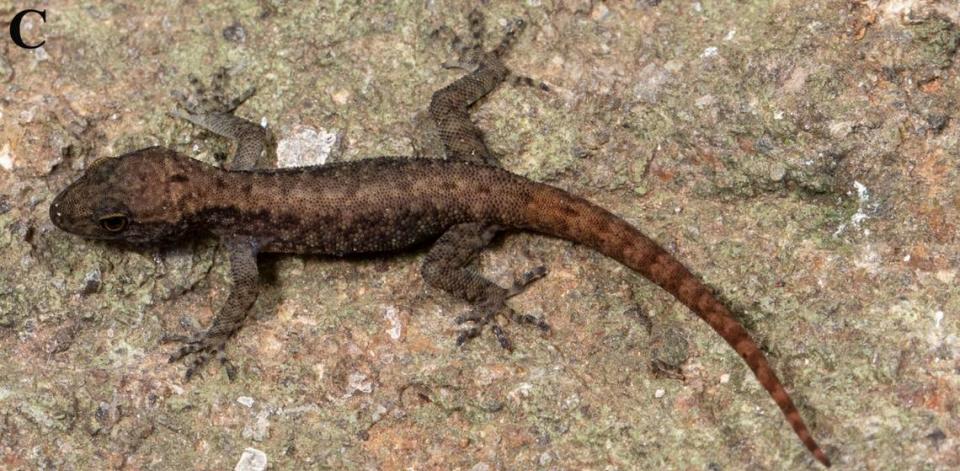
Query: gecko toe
{"x": 203, "y": 347}
{"x": 203, "y": 100}
{"x": 472, "y": 316}
{"x": 487, "y": 314}
{"x": 228, "y": 366}
{"x": 467, "y": 335}
{"x": 174, "y": 338}
{"x": 180, "y": 353}
{"x": 520, "y": 284}
{"x": 198, "y": 361}
{"x": 473, "y": 332}
{"x": 535, "y": 321}
{"x": 190, "y": 345}
{"x": 502, "y": 337}
{"x": 204, "y": 356}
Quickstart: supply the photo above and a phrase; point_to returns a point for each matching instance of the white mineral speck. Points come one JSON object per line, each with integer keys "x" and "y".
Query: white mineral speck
{"x": 252, "y": 459}
{"x": 40, "y": 54}
{"x": 651, "y": 82}
{"x": 359, "y": 382}
{"x": 396, "y": 327}
{"x": 6, "y": 158}
{"x": 245, "y": 401}
{"x": 863, "y": 197}
{"x": 705, "y": 101}
{"x": 306, "y": 146}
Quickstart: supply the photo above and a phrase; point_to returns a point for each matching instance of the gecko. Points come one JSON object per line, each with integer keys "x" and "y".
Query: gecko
{"x": 460, "y": 200}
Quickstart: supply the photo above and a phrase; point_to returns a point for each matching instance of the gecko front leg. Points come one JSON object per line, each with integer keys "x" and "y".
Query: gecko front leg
{"x": 242, "y": 252}
{"x": 216, "y": 115}
{"x": 213, "y": 112}
{"x": 446, "y": 129}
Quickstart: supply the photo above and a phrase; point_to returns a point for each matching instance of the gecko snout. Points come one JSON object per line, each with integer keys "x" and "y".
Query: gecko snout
{"x": 68, "y": 212}
{"x": 56, "y": 212}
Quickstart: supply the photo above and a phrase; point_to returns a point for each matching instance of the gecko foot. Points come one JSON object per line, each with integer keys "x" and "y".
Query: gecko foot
{"x": 471, "y": 54}
{"x": 210, "y": 108}
{"x": 203, "y": 347}
{"x": 213, "y": 99}
{"x": 487, "y": 312}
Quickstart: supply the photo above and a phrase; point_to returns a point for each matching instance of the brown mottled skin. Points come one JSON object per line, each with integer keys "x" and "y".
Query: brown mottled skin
{"x": 156, "y": 195}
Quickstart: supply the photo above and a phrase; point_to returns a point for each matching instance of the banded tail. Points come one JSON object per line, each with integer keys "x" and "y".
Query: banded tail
{"x": 558, "y": 213}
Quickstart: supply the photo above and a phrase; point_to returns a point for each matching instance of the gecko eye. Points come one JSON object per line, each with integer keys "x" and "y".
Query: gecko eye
{"x": 115, "y": 222}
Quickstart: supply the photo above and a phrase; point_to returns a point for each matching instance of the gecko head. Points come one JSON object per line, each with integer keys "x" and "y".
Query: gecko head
{"x": 140, "y": 197}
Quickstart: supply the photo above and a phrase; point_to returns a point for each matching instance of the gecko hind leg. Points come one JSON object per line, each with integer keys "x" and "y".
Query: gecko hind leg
{"x": 485, "y": 313}
{"x": 447, "y": 267}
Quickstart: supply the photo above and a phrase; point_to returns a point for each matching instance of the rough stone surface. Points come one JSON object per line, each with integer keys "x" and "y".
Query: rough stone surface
{"x": 815, "y": 189}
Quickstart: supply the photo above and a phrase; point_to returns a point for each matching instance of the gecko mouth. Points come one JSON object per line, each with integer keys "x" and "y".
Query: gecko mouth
{"x": 63, "y": 215}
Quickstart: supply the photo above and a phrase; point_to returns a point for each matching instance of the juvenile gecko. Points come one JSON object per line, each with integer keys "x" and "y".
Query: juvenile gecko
{"x": 156, "y": 195}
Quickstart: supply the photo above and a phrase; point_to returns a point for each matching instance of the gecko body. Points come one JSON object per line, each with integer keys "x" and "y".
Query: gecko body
{"x": 157, "y": 195}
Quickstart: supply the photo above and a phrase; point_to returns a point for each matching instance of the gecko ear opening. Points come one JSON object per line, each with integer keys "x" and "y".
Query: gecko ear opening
{"x": 114, "y": 222}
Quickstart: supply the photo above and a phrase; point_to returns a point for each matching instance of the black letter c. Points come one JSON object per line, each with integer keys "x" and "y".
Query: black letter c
{"x": 15, "y": 28}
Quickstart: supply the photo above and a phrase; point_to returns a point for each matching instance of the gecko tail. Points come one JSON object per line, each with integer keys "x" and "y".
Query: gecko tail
{"x": 555, "y": 212}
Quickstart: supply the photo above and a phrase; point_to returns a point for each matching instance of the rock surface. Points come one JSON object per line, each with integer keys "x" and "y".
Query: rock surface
{"x": 801, "y": 156}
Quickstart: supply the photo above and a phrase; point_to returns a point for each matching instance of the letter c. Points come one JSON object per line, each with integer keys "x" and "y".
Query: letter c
{"x": 15, "y": 28}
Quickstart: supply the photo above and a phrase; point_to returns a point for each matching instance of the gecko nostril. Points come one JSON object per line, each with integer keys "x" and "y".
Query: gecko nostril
{"x": 56, "y": 215}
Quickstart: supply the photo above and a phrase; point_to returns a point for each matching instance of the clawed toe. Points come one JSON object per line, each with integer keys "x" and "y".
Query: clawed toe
{"x": 482, "y": 317}
{"x": 203, "y": 100}
{"x": 461, "y": 64}
{"x": 502, "y": 338}
{"x": 529, "y": 277}
{"x": 487, "y": 312}
{"x": 514, "y": 28}
{"x": 523, "y": 80}
{"x": 474, "y": 331}
{"x": 203, "y": 348}
{"x": 535, "y": 321}
{"x": 206, "y": 106}
{"x": 471, "y": 52}
{"x": 472, "y": 316}
{"x": 468, "y": 334}
{"x": 174, "y": 338}
{"x": 233, "y": 104}
{"x": 228, "y": 367}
